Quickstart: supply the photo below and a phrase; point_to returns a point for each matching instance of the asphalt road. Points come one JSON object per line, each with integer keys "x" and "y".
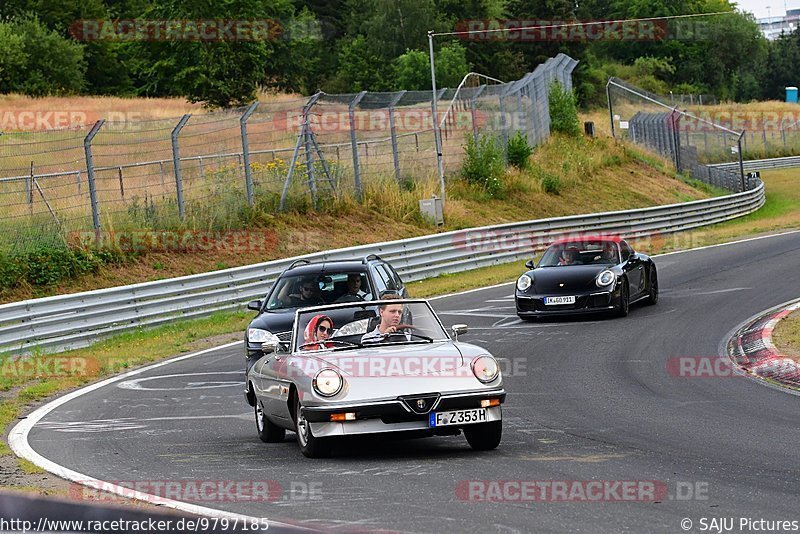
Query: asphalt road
{"x": 589, "y": 400}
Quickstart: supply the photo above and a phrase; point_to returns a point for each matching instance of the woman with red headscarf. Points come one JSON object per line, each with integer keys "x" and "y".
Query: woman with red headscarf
{"x": 318, "y": 329}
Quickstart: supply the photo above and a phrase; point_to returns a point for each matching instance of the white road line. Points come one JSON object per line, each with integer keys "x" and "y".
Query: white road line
{"x": 18, "y": 441}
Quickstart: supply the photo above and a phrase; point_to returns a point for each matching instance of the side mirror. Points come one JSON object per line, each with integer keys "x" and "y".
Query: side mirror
{"x": 270, "y": 347}
{"x": 254, "y": 305}
{"x": 459, "y": 329}
{"x": 530, "y": 264}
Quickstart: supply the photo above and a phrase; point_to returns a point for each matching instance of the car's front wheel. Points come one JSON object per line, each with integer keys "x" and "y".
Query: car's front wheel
{"x": 624, "y": 300}
{"x": 652, "y": 297}
{"x": 310, "y": 446}
{"x": 484, "y": 436}
{"x": 267, "y": 431}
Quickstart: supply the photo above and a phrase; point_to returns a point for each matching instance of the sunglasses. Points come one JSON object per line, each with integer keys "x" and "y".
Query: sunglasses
{"x": 325, "y": 329}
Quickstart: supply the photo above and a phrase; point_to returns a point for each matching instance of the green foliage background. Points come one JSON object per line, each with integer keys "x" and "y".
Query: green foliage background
{"x": 380, "y": 45}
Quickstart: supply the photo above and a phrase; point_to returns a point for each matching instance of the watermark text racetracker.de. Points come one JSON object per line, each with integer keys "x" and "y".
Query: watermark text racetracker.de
{"x": 183, "y": 524}
{"x": 177, "y": 241}
{"x": 198, "y": 491}
{"x": 599, "y": 491}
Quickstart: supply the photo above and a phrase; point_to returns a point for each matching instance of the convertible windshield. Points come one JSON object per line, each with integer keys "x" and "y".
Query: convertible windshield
{"x": 581, "y": 253}
{"x": 312, "y": 290}
{"x": 347, "y": 326}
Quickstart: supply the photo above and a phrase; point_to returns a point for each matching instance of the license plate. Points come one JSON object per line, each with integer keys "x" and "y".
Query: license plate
{"x": 549, "y": 301}
{"x": 457, "y": 417}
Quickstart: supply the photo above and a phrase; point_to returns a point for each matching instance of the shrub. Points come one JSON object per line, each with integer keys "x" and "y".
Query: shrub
{"x": 483, "y": 164}
{"x": 563, "y": 111}
{"x": 519, "y": 151}
{"x": 551, "y": 183}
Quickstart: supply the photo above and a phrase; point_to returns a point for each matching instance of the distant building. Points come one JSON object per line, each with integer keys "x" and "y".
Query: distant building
{"x": 773, "y": 27}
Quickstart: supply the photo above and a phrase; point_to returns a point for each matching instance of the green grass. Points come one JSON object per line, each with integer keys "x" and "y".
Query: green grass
{"x": 786, "y": 336}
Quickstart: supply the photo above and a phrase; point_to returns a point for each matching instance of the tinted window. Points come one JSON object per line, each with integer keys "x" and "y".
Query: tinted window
{"x": 386, "y": 278}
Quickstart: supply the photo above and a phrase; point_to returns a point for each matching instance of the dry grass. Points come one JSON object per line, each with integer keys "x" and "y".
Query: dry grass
{"x": 786, "y": 336}
{"x": 597, "y": 175}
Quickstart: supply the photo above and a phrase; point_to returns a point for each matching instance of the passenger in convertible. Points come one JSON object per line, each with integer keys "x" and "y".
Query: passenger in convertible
{"x": 317, "y": 331}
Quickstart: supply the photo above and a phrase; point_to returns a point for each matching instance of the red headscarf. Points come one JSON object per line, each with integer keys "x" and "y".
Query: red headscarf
{"x": 309, "y": 334}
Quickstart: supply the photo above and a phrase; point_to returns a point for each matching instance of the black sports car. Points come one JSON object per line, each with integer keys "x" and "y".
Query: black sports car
{"x": 586, "y": 275}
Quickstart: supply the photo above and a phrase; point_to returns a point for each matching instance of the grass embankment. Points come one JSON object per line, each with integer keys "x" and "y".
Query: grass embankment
{"x": 786, "y": 336}
{"x": 591, "y": 175}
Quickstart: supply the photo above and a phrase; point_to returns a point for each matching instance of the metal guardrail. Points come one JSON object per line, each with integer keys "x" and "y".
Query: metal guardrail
{"x": 68, "y": 321}
{"x": 764, "y": 164}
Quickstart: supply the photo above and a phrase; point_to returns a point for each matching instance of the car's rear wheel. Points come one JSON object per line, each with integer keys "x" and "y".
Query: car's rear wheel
{"x": 310, "y": 446}
{"x": 624, "y": 300}
{"x": 484, "y": 436}
{"x": 268, "y": 432}
{"x": 652, "y": 297}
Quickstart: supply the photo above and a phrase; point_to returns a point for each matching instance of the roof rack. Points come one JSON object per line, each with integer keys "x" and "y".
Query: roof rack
{"x": 370, "y": 257}
{"x": 295, "y": 263}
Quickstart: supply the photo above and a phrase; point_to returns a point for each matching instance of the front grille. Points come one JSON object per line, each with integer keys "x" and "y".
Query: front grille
{"x": 421, "y": 404}
{"x": 284, "y": 336}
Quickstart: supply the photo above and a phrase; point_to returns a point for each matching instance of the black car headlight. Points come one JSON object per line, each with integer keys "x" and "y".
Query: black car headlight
{"x": 327, "y": 382}
{"x": 485, "y": 368}
{"x": 605, "y": 278}
{"x": 524, "y": 282}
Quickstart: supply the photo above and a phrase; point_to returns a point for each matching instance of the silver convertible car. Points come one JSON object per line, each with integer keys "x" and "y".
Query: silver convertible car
{"x": 370, "y": 368}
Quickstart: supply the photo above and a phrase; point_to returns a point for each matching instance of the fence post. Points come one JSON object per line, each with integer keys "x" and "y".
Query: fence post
{"x": 312, "y": 182}
{"x": 611, "y": 109}
{"x": 248, "y": 177}
{"x": 504, "y": 127}
{"x": 354, "y": 143}
{"x": 393, "y": 131}
{"x": 121, "y": 185}
{"x": 29, "y": 190}
{"x": 87, "y": 147}
{"x": 176, "y": 163}
{"x": 473, "y": 112}
{"x": 676, "y": 121}
{"x": 741, "y": 159}
{"x": 287, "y": 182}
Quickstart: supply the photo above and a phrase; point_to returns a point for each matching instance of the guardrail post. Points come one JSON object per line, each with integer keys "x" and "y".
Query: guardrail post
{"x": 248, "y": 177}
{"x": 176, "y": 163}
{"x": 354, "y": 143}
{"x": 87, "y": 147}
{"x": 393, "y": 131}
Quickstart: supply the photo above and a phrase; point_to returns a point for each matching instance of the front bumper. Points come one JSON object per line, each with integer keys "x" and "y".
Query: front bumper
{"x": 395, "y": 415}
{"x": 596, "y": 302}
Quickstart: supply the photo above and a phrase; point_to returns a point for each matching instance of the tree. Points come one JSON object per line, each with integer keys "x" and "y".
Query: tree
{"x": 39, "y": 62}
{"x": 220, "y": 73}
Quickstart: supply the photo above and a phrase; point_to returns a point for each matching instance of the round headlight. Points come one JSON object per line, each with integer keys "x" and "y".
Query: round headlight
{"x": 327, "y": 382}
{"x": 605, "y": 278}
{"x": 524, "y": 282}
{"x": 257, "y": 335}
{"x": 485, "y": 368}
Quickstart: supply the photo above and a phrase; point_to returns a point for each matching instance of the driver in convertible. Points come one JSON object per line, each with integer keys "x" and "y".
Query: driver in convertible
{"x": 389, "y": 324}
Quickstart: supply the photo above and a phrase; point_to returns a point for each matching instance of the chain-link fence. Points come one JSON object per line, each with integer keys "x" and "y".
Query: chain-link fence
{"x": 204, "y": 171}
{"x": 694, "y": 145}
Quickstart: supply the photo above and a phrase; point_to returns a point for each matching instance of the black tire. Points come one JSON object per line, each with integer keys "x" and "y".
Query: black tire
{"x": 268, "y": 432}
{"x": 484, "y": 436}
{"x": 310, "y": 446}
{"x": 652, "y": 297}
{"x": 624, "y": 300}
